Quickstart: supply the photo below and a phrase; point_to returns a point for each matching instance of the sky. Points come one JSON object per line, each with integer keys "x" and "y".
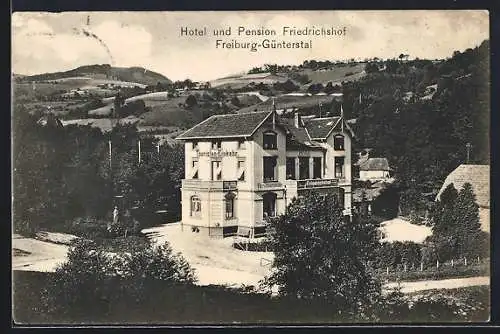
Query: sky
{"x": 49, "y": 42}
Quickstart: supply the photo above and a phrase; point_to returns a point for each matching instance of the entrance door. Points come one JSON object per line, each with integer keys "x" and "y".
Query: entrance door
{"x": 269, "y": 204}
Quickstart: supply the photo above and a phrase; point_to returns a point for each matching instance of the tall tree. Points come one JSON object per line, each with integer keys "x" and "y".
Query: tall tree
{"x": 467, "y": 215}
{"x": 319, "y": 255}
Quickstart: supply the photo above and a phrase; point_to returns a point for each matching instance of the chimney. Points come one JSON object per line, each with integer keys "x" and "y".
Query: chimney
{"x": 297, "y": 121}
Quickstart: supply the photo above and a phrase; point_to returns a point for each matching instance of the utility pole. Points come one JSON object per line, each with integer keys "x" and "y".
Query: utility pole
{"x": 468, "y": 146}
{"x": 139, "y": 152}
{"x": 109, "y": 146}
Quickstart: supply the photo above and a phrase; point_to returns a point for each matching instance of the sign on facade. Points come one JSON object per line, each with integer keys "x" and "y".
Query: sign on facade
{"x": 319, "y": 183}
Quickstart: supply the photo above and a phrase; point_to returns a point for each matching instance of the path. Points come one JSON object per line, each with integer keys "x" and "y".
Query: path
{"x": 452, "y": 283}
{"x": 40, "y": 255}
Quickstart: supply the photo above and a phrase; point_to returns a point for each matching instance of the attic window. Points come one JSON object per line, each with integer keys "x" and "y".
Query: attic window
{"x": 216, "y": 145}
{"x": 338, "y": 143}
{"x": 270, "y": 141}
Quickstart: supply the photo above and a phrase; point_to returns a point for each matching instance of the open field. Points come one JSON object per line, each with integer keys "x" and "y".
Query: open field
{"x": 242, "y": 80}
{"x": 289, "y": 101}
{"x": 336, "y": 75}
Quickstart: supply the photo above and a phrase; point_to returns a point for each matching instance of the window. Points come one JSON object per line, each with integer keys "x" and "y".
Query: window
{"x": 241, "y": 144}
{"x": 338, "y": 143}
{"x": 270, "y": 141}
{"x": 229, "y": 199}
{"x": 194, "y": 171}
{"x": 216, "y": 145}
{"x": 303, "y": 168}
{"x": 290, "y": 169}
{"x": 269, "y": 205}
{"x": 270, "y": 169}
{"x": 339, "y": 167}
{"x": 340, "y": 197}
{"x": 241, "y": 170}
{"x": 195, "y": 145}
{"x": 316, "y": 168}
{"x": 216, "y": 170}
{"x": 195, "y": 206}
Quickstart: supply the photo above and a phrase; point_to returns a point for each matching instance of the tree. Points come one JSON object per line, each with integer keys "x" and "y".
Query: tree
{"x": 371, "y": 68}
{"x": 442, "y": 214}
{"x": 118, "y": 103}
{"x": 235, "y": 101}
{"x": 191, "y": 101}
{"x": 467, "y": 216}
{"x": 320, "y": 255}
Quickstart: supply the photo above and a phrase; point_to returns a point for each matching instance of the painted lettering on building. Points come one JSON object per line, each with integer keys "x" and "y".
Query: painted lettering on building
{"x": 319, "y": 183}
{"x": 218, "y": 154}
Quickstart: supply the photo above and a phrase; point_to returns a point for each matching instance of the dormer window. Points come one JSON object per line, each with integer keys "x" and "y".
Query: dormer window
{"x": 338, "y": 143}
{"x": 270, "y": 141}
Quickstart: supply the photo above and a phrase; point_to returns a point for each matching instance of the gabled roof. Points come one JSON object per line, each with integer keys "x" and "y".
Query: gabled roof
{"x": 477, "y": 175}
{"x": 227, "y": 126}
{"x": 298, "y": 138}
{"x": 371, "y": 164}
{"x": 320, "y": 128}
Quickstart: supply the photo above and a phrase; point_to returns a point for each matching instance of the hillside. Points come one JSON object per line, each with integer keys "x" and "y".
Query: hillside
{"x": 303, "y": 101}
{"x": 128, "y": 74}
{"x": 240, "y": 81}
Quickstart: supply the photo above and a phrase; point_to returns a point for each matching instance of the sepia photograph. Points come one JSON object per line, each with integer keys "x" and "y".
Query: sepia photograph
{"x": 250, "y": 167}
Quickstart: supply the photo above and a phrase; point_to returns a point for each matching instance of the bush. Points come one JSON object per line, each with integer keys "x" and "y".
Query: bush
{"x": 398, "y": 253}
{"x": 91, "y": 279}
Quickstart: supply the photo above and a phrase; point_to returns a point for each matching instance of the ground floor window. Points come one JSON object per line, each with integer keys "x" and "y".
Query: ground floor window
{"x": 290, "y": 169}
{"x": 195, "y": 206}
{"x": 229, "y": 199}
{"x": 340, "y": 197}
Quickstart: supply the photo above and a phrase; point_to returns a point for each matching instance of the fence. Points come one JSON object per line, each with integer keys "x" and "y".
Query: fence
{"x": 464, "y": 267}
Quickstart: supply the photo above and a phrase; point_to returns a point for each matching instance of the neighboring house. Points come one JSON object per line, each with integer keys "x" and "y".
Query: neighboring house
{"x": 373, "y": 169}
{"x": 479, "y": 177}
{"x": 241, "y": 169}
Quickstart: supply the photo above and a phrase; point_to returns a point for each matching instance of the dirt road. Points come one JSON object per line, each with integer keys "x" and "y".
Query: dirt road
{"x": 452, "y": 283}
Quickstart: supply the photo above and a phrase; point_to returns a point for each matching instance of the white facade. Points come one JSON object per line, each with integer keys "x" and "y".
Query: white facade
{"x": 231, "y": 183}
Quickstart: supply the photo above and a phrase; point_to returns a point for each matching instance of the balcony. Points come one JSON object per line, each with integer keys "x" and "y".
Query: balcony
{"x": 209, "y": 185}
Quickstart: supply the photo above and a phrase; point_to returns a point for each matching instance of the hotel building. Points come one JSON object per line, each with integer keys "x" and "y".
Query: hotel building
{"x": 242, "y": 168}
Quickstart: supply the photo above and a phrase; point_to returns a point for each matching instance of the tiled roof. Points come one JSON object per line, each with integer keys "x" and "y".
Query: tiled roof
{"x": 233, "y": 125}
{"x": 374, "y": 164}
{"x": 477, "y": 175}
{"x": 298, "y": 137}
{"x": 319, "y": 128}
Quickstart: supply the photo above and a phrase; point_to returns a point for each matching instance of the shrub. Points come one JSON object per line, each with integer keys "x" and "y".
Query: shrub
{"x": 398, "y": 253}
{"x": 91, "y": 279}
